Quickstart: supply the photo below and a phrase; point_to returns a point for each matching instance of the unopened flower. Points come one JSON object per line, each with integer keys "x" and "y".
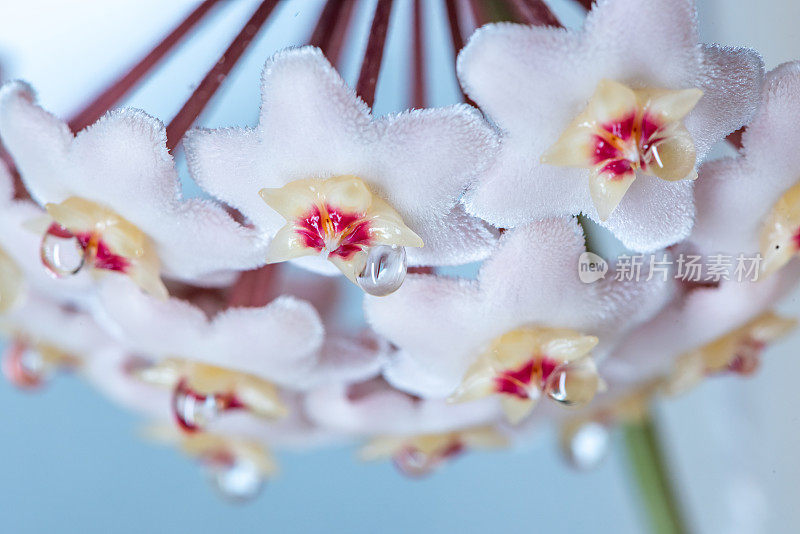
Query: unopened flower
{"x": 113, "y": 198}
{"x": 585, "y": 112}
{"x": 750, "y": 203}
{"x": 525, "y": 326}
{"x": 338, "y": 182}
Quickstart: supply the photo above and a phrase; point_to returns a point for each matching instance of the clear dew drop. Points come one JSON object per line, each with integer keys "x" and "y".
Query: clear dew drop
{"x": 62, "y": 256}
{"x": 586, "y": 445}
{"x": 192, "y": 411}
{"x": 384, "y": 270}
{"x": 25, "y": 367}
{"x": 239, "y": 481}
{"x": 415, "y": 464}
{"x": 573, "y": 383}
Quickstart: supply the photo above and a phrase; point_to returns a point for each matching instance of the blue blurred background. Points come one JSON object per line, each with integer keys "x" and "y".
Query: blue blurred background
{"x": 70, "y": 461}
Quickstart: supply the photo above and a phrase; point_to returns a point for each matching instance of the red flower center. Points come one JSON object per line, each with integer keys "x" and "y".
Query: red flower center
{"x": 626, "y": 144}
{"x": 326, "y": 228}
{"x": 517, "y": 382}
{"x": 95, "y": 251}
{"x": 192, "y": 409}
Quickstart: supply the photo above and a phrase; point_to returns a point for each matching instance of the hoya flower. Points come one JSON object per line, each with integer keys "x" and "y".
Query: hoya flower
{"x": 113, "y": 198}
{"x": 21, "y": 269}
{"x": 238, "y": 359}
{"x": 609, "y": 120}
{"x": 325, "y": 180}
{"x": 526, "y": 326}
{"x": 707, "y": 330}
{"x": 738, "y": 351}
{"x": 750, "y": 203}
{"x": 418, "y": 435}
{"x": 45, "y": 338}
{"x": 235, "y": 451}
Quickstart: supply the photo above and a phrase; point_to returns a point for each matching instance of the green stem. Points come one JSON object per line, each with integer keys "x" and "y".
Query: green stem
{"x": 648, "y": 468}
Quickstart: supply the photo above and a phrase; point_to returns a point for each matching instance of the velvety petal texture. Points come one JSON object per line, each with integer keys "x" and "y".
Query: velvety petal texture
{"x": 122, "y": 164}
{"x": 375, "y": 408}
{"x": 532, "y": 82}
{"x": 283, "y": 342}
{"x": 736, "y": 195}
{"x": 440, "y": 325}
{"x": 312, "y": 126}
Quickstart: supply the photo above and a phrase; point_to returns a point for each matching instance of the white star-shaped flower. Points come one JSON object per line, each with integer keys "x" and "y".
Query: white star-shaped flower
{"x": 512, "y": 331}
{"x": 750, "y": 203}
{"x": 324, "y": 179}
{"x": 606, "y": 121}
{"x": 112, "y": 191}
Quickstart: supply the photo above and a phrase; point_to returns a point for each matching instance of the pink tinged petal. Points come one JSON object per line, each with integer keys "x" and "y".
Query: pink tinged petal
{"x": 731, "y": 79}
{"x": 280, "y": 342}
{"x": 37, "y": 141}
{"x": 384, "y": 410}
{"x": 738, "y": 195}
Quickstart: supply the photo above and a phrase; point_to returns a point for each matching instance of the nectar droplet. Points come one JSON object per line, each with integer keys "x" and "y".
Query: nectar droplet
{"x": 586, "y": 445}
{"x": 239, "y": 481}
{"x": 573, "y": 383}
{"x": 25, "y": 367}
{"x": 413, "y": 463}
{"x": 193, "y": 411}
{"x": 384, "y": 270}
{"x": 61, "y": 252}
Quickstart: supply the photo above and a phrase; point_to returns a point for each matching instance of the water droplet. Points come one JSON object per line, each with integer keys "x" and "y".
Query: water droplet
{"x": 24, "y": 366}
{"x": 237, "y": 481}
{"x": 586, "y": 445}
{"x": 414, "y": 463}
{"x": 192, "y": 410}
{"x": 62, "y": 253}
{"x": 573, "y": 383}
{"x": 747, "y": 359}
{"x": 384, "y": 270}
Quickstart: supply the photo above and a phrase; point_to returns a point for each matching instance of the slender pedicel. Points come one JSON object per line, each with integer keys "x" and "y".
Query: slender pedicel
{"x": 373, "y": 56}
{"x": 198, "y": 100}
{"x": 117, "y": 90}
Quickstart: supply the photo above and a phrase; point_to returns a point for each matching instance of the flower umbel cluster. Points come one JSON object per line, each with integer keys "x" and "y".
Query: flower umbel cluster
{"x": 217, "y": 317}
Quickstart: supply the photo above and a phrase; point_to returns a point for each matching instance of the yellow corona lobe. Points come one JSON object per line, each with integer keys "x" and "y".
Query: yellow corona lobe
{"x": 105, "y": 241}
{"x": 738, "y": 351}
{"x": 522, "y": 364}
{"x": 780, "y": 234}
{"x": 624, "y": 130}
{"x": 421, "y": 454}
{"x": 10, "y": 281}
{"x": 231, "y": 388}
{"x": 338, "y": 218}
